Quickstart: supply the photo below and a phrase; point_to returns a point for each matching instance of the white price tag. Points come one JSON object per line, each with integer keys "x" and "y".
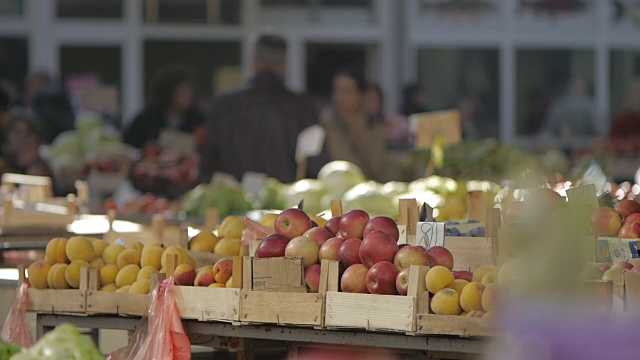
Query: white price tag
{"x": 429, "y": 234}
{"x": 402, "y": 230}
{"x": 119, "y": 241}
{"x": 310, "y": 142}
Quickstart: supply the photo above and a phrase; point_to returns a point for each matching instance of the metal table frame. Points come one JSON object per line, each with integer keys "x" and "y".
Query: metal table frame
{"x": 395, "y": 341}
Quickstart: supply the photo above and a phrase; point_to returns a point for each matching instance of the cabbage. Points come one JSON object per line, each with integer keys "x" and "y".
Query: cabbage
{"x": 338, "y": 177}
{"x": 99, "y": 136}
{"x": 368, "y": 196}
{"x": 311, "y": 191}
{"x": 68, "y": 143}
{"x": 270, "y": 194}
{"x": 64, "y": 343}
{"x": 393, "y": 188}
{"x": 87, "y": 122}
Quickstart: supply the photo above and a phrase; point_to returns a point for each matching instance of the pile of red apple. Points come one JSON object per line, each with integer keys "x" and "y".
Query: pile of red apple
{"x": 371, "y": 260}
{"x": 147, "y": 204}
{"x": 606, "y": 271}
{"x": 165, "y": 171}
{"x": 621, "y": 221}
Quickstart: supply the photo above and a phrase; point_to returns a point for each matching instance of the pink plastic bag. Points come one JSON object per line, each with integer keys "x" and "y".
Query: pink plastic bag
{"x": 160, "y": 334}
{"x": 16, "y": 328}
{"x": 254, "y": 231}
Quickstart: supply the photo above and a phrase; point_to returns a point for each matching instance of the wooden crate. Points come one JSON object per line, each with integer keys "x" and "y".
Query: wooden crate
{"x": 626, "y": 292}
{"x": 52, "y": 301}
{"x": 280, "y": 303}
{"x": 432, "y": 324}
{"x": 199, "y": 303}
{"x": 470, "y": 252}
{"x": 599, "y": 294}
{"x": 393, "y": 313}
{"x": 42, "y": 216}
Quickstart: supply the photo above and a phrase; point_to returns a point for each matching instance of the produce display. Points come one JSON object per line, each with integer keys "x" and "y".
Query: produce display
{"x": 148, "y": 204}
{"x": 372, "y": 262}
{"x": 64, "y": 342}
{"x": 122, "y": 269}
{"x": 165, "y": 171}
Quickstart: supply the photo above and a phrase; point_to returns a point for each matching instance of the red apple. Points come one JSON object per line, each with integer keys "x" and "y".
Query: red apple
{"x": 463, "y": 274}
{"x": 623, "y": 265}
{"x": 312, "y": 278}
{"x": 318, "y": 234}
{"x": 354, "y": 279}
{"x": 439, "y": 255}
{"x": 292, "y": 223}
{"x": 632, "y": 218}
{"x": 605, "y": 222}
{"x": 636, "y": 268}
{"x": 305, "y": 248}
{"x": 514, "y": 212}
{"x": 384, "y": 224}
{"x": 314, "y": 224}
{"x": 349, "y": 252}
{"x": 630, "y": 230}
{"x": 333, "y": 225}
{"x": 352, "y": 224}
{"x": 377, "y": 247}
{"x": 627, "y": 207}
{"x": 272, "y": 246}
{"x": 410, "y": 255}
{"x": 381, "y": 278}
{"x": 546, "y": 198}
{"x": 329, "y": 250}
{"x": 402, "y": 281}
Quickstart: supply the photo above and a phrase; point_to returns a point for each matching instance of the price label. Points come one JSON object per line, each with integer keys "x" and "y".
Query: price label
{"x": 310, "y": 142}
{"x": 402, "y": 230}
{"x": 430, "y": 234}
{"x": 585, "y": 195}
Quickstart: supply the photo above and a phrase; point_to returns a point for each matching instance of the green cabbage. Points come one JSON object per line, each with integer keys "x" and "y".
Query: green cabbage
{"x": 63, "y": 343}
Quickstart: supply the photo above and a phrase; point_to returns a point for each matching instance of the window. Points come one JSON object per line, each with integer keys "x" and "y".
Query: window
{"x": 13, "y": 62}
{"x": 625, "y": 75}
{"x": 11, "y": 7}
{"x": 216, "y": 63}
{"x": 193, "y": 11}
{"x": 109, "y": 9}
{"x": 543, "y": 77}
{"x": 466, "y": 79}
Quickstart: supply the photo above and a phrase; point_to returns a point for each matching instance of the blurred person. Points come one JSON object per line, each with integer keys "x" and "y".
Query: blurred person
{"x": 50, "y": 102}
{"x": 171, "y": 106}
{"x": 625, "y": 125}
{"x": 572, "y": 114}
{"x": 468, "y": 108}
{"x": 351, "y": 134}
{"x": 415, "y": 100}
{"x": 22, "y": 148}
{"x": 256, "y": 127}
{"x": 396, "y": 127}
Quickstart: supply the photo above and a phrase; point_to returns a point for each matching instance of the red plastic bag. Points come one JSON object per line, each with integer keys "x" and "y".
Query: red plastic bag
{"x": 16, "y": 328}
{"x": 160, "y": 334}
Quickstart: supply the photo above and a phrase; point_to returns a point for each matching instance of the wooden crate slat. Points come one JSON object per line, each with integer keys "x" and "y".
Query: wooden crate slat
{"x": 470, "y": 252}
{"x": 431, "y": 324}
{"x": 102, "y": 302}
{"x": 52, "y": 301}
{"x": 371, "y": 312}
{"x": 281, "y": 308}
{"x": 206, "y": 304}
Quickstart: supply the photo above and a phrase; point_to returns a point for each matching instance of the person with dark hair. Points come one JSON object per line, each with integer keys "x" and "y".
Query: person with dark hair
{"x": 415, "y": 100}
{"x": 256, "y": 127}
{"x": 396, "y": 127}
{"x": 50, "y": 102}
{"x": 351, "y": 134}
{"x": 172, "y": 106}
{"x": 22, "y": 149}
{"x": 6, "y": 103}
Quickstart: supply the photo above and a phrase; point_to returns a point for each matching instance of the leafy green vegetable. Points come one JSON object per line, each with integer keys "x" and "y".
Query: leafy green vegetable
{"x": 7, "y": 350}
{"x": 63, "y": 343}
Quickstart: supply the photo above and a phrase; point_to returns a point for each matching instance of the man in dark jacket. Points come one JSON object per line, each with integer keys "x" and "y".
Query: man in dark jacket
{"x": 256, "y": 128}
